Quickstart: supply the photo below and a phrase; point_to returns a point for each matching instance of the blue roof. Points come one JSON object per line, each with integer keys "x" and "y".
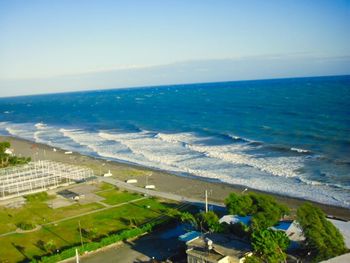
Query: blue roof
{"x": 189, "y": 236}
{"x": 244, "y": 219}
{"x": 283, "y": 225}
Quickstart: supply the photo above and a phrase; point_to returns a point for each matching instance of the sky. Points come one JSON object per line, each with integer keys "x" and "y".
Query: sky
{"x": 65, "y": 45}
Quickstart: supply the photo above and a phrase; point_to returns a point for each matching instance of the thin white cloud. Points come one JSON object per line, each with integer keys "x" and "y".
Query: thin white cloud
{"x": 194, "y": 71}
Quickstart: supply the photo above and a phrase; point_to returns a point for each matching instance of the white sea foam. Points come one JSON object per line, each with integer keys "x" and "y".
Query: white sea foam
{"x": 277, "y": 166}
{"x": 36, "y": 137}
{"x": 25, "y": 131}
{"x": 40, "y": 125}
{"x": 237, "y": 138}
{"x": 177, "y": 137}
{"x": 299, "y": 150}
{"x": 187, "y": 153}
{"x": 151, "y": 149}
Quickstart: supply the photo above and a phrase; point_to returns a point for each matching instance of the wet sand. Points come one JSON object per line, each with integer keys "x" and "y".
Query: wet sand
{"x": 188, "y": 186}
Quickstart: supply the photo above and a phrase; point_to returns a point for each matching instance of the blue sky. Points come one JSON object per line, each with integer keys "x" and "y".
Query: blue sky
{"x": 53, "y": 46}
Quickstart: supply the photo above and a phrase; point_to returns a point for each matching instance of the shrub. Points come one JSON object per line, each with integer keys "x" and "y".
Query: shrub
{"x": 89, "y": 233}
{"x": 50, "y": 246}
{"x": 25, "y": 226}
{"x": 38, "y": 197}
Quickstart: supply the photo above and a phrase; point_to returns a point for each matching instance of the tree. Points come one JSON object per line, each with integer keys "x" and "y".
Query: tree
{"x": 239, "y": 229}
{"x": 238, "y": 205}
{"x": 253, "y": 259}
{"x": 323, "y": 239}
{"x": 6, "y": 159}
{"x": 50, "y": 246}
{"x": 4, "y": 156}
{"x": 208, "y": 221}
{"x": 89, "y": 233}
{"x": 202, "y": 221}
{"x": 188, "y": 218}
{"x": 270, "y": 245}
{"x": 264, "y": 209}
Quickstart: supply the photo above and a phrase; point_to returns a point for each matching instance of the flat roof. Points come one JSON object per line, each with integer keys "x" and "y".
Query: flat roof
{"x": 189, "y": 236}
{"x": 223, "y": 245}
{"x": 283, "y": 225}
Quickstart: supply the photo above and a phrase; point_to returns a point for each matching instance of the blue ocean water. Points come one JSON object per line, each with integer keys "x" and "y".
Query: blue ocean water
{"x": 287, "y": 136}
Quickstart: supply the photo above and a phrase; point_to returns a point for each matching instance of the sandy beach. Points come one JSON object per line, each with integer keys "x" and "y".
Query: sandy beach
{"x": 187, "y": 186}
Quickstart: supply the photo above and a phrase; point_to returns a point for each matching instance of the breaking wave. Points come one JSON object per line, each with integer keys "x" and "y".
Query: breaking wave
{"x": 191, "y": 153}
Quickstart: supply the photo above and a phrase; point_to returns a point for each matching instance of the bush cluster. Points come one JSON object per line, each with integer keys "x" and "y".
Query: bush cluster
{"x": 38, "y": 197}
{"x": 25, "y": 226}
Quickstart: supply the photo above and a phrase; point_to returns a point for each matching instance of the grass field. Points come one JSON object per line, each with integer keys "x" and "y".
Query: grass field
{"x": 23, "y": 246}
{"x": 116, "y": 197}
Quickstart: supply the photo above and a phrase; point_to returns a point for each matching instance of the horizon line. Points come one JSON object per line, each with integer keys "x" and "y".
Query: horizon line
{"x": 172, "y": 84}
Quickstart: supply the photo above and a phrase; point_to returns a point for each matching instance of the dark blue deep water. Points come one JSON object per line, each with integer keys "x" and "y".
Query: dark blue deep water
{"x": 288, "y": 136}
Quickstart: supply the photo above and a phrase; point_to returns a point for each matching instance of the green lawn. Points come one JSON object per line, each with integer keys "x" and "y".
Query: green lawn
{"x": 104, "y": 186}
{"x": 18, "y": 247}
{"x": 38, "y": 212}
{"x": 113, "y": 197}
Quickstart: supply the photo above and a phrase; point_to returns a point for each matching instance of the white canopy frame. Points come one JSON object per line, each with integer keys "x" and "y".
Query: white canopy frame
{"x": 39, "y": 176}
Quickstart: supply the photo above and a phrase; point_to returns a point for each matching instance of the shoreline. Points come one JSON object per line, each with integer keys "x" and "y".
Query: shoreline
{"x": 186, "y": 185}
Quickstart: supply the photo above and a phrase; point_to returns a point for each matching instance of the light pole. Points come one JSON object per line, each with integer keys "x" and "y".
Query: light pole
{"x": 148, "y": 175}
{"x": 206, "y": 200}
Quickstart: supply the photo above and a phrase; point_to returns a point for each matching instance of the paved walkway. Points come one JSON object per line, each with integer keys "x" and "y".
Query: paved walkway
{"x": 155, "y": 193}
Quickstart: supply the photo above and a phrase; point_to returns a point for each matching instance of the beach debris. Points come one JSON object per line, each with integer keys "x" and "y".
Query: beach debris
{"x": 131, "y": 181}
{"x": 68, "y": 152}
{"x": 150, "y": 186}
{"x": 109, "y": 174}
{"x": 54, "y": 149}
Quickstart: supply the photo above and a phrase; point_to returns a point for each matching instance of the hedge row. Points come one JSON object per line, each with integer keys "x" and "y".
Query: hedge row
{"x": 105, "y": 241}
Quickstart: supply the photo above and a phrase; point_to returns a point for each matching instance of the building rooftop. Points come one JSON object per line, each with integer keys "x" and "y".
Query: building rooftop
{"x": 189, "y": 236}
{"x": 233, "y": 219}
{"x": 222, "y": 246}
{"x": 292, "y": 230}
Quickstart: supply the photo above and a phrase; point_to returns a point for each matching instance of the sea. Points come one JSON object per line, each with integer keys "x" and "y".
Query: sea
{"x": 285, "y": 136}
